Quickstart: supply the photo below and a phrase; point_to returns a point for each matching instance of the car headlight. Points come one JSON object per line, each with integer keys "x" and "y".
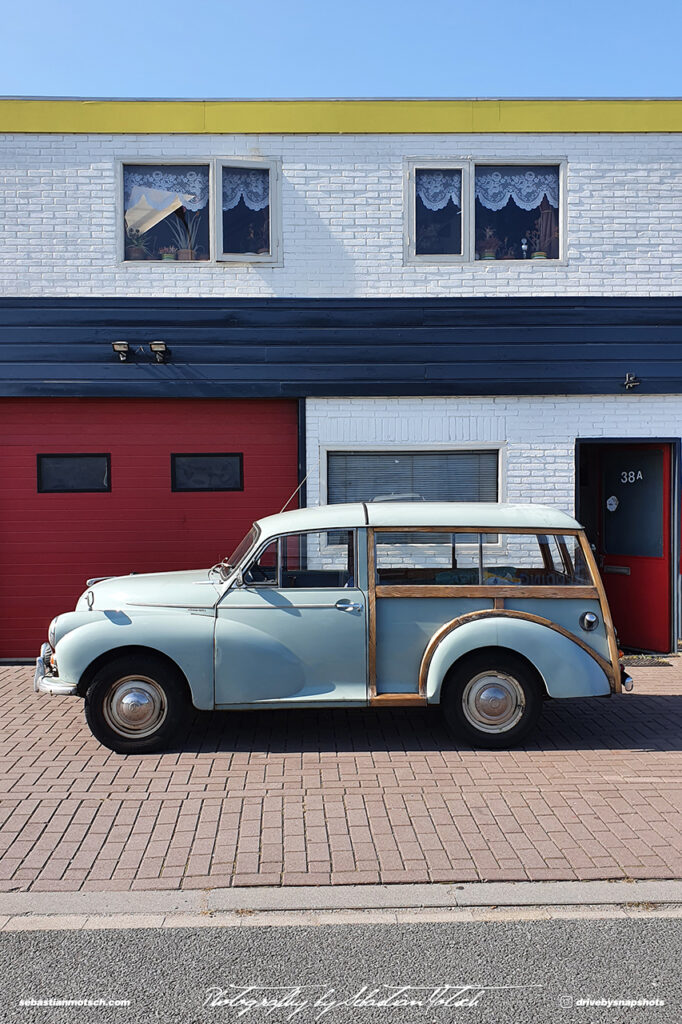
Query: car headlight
{"x": 52, "y": 632}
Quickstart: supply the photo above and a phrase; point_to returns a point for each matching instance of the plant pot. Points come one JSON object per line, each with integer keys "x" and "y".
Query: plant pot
{"x": 488, "y": 254}
{"x": 135, "y": 252}
{"x": 539, "y": 255}
{"x": 185, "y": 254}
{"x": 167, "y": 255}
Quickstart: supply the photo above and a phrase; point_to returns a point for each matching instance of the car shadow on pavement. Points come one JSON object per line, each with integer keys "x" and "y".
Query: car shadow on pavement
{"x": 623, "y": 722}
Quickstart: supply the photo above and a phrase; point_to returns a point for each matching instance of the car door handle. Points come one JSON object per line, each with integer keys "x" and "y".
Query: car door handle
{"x": 348, "y": 606}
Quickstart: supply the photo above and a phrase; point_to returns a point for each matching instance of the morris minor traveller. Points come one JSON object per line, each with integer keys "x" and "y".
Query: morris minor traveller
{"x": 484, "y": 609}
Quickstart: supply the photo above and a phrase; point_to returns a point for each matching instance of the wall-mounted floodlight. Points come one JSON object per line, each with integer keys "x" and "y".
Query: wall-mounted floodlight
{"x": 160, "y": 351}
{"x": 121, "y": 349}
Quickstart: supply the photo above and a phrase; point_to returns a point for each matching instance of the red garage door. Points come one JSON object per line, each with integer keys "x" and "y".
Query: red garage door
{"x": 142, "y": 503}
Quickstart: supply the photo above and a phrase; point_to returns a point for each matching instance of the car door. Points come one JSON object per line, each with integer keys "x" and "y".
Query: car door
{"x": 296, "y": 630}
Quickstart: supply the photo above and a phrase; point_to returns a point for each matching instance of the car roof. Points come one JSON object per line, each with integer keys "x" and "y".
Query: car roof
{"x": 486, "y": 516}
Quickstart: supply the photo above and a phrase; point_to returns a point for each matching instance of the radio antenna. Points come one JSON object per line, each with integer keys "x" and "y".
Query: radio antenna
{"x": 295, "y": 492}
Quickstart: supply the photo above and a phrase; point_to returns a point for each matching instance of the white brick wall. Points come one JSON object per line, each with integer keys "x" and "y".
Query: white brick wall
{"x": 342, "y": 217}
{"x": 536, "y": 435}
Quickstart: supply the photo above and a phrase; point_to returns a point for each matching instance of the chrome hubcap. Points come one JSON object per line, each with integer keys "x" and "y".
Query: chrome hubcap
{"x": 135, "y": 706}
{"x": 493, "y": 701}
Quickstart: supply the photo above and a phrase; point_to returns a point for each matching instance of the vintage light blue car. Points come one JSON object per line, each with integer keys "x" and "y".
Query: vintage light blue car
{"x": 485, "y": 609}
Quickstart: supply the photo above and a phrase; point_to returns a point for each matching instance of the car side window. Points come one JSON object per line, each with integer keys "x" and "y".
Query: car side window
{"x": 324, "y": 559}
{"x": 532, "y": 560}
{"x": 315, "y": 560}
{"x": 264, "y": 569}
{"x": 424, "y": 559}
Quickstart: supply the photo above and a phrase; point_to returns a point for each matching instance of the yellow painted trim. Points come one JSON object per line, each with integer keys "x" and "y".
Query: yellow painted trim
{"x": 308, "y": 117}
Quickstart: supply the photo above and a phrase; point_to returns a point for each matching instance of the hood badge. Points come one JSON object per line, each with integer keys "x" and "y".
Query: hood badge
{"x": 90, "y": 598}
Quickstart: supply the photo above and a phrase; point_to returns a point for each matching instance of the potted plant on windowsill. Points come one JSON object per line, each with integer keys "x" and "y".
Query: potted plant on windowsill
{"x": 489, "y": 244}
{"x": 137, "y": 244}
{"x": 534, "y": 240}
{"x": 168, "y": 252}
{"x": 185, "y": 230}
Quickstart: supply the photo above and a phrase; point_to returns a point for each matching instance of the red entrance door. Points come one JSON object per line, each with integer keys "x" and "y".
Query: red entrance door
{"x": 635, "y": 541}
{"x": 141, "y": 519}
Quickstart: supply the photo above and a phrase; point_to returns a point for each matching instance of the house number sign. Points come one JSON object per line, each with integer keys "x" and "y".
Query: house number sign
{"x": 631, "y": 476}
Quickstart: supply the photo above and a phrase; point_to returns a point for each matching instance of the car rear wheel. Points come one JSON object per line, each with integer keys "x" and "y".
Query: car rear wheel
{"x": 136, "y": 703}
{"x": 492, "y": 700}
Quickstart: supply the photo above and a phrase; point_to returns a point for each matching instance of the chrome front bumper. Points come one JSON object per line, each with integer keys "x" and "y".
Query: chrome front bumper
{"x": 45, "y": 682}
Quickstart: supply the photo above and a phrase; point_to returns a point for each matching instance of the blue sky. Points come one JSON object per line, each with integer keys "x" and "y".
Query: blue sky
{"x": 300, "y": 48}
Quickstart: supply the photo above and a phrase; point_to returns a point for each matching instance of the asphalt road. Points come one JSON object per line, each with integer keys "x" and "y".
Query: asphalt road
{"x": 496, "y": 972}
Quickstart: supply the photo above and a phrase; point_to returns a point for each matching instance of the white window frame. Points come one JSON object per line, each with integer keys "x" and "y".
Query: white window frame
{"x": 410, "y": 222}
{"x": 467, "y": 166}
{"x": 536, "y": 161}
{"x": 162, "y": 161}
{"x": 214, "y": 207}
{"x": 275, "y": 211}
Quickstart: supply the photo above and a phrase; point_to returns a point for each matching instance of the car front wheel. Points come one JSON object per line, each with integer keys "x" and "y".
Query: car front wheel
{"x": 492, "y": 701}
{"x": 136, "y": 703}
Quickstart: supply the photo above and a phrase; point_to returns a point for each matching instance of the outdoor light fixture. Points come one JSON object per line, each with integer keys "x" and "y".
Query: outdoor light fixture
{"x": 160, "y": 350}
{"x": 121, "y": 349}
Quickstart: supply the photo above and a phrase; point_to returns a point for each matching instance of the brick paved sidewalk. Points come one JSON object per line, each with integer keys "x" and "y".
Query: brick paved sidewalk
{"x": 298, "y": 797}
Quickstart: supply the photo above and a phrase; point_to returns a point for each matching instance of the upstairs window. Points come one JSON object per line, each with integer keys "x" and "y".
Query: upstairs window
{"x": 166, "y": 212}
{"x": 438, "y": 212}
{"x": 517, "y": 212}
{"x": 463, "y": 212}
{"x": 247, "y": 203}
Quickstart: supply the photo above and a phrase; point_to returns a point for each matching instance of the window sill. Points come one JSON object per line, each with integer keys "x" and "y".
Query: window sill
{"x": 410, "y": 259}
{"x": 202, "y": 263}
{"x": 251, "y": 259}
{"x": 437, "y": 261}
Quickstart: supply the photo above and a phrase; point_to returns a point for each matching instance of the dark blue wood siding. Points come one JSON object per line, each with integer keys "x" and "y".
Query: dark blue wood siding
{"x": 228, "y": 348}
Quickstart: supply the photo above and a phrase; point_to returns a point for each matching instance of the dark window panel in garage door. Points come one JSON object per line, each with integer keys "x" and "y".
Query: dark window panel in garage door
{"x": 73, "y": 473}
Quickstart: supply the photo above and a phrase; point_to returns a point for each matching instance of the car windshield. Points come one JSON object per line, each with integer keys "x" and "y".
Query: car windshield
{"x": 242, "y": 548}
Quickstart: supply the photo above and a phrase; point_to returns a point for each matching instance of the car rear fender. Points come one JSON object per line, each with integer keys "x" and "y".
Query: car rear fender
{"x": 566, "y": 668}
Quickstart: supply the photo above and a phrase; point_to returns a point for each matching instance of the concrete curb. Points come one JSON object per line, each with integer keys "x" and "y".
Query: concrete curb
{"x": 334, "y": 918}
{"x": 205, "y": 904}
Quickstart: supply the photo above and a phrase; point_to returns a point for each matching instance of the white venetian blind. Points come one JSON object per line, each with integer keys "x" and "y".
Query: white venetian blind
{"x": 412, "y": 476}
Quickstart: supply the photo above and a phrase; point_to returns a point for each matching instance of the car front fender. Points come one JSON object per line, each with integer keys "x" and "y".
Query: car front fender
{"x": 187, "y": 639}
{"x": 567, "y": 670}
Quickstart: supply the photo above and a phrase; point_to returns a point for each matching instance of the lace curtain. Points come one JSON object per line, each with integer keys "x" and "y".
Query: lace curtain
{"x": 436, "y": 188}
{"x": 247, "y": 183}
{"x": 160, "y": 187}
{"x": 527, "y": 186}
